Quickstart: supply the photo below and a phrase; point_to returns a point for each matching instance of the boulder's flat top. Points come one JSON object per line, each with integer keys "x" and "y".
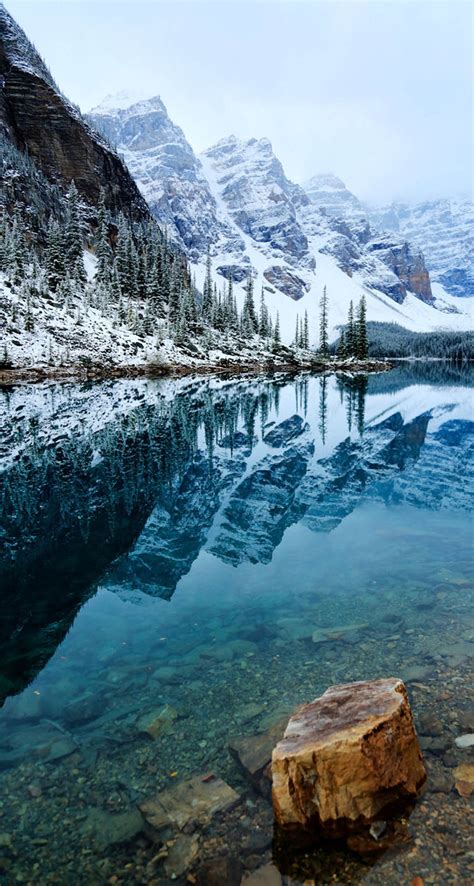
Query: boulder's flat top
{"x": 346, "y": 709}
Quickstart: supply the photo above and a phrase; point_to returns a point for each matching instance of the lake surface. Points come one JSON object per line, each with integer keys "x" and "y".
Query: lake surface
{"x": 184, "y": 562}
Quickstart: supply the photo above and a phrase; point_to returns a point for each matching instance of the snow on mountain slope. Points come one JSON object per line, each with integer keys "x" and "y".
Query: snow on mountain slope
{"x": 444, "y": 230}
{"x": 236, "y": 199}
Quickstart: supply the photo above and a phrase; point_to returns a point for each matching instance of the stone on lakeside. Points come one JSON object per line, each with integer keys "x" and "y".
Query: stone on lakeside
{"x": 194, "y": 801}
{"x": 464, "y": 779}
{"x": 465, "y": 741}
{"x": 347, "y": 759}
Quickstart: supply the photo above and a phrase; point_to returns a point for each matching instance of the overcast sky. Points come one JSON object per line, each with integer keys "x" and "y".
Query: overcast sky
{"x": 378, "y": 92}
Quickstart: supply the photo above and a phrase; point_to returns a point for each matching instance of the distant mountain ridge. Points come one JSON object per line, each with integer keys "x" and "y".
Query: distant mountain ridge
{"x": 442, "y": 229}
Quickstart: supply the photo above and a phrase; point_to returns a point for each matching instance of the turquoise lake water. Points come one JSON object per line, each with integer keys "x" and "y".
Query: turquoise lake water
{"x": 177, "y": 549}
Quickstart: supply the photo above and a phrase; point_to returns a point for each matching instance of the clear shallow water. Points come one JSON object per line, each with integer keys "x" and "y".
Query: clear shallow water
{"x": 181, "y": 545}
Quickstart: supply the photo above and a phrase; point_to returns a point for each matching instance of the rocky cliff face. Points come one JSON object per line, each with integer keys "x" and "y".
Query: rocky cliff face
{"x": 37, "y": 118}
{"x": 262, "y": 202}
{"x": 443, "y": 230}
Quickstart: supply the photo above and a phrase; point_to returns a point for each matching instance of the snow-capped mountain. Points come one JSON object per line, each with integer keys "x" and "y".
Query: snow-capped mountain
{"x": 165, "y": 167}
{"x": 236, "y": 199}
{"x": 444, "y": 230}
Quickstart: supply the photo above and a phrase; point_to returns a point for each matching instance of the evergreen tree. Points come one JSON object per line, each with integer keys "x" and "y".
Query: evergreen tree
{"x": 72, "y": 242}
{"x": 249, "y": 317}
{"x": 361, "y": 339}
{"x": 276, "y": 331}
{"x": 297, "y": 341}
{"x": 103, "y": 251}
{"x": 305, "y": 334}
{"x": 350, "y": 332}
{"x": 323, "y": 326}
{"x": 54, "y": 257}
{"x": 341, "y": 346}
{"x": 263, "y": 326}
{"x": 207, "y": 292}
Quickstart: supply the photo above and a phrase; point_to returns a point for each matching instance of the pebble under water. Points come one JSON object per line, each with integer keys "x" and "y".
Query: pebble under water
{"x": 185, "y": 561}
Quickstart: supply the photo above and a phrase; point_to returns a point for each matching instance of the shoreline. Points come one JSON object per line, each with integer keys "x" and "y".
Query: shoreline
{"x": 33, "y": 375}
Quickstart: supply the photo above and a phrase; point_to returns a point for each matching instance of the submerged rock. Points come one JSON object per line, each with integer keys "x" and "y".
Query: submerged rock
{"x": 339, "y": 633}
{"x": 347, "y": 759}
{"x": 106, "y": 828}
{"x": 181, "y": 855}
{"x": 157, "y": 722}
{"x": 465, "y": 741}
{"x": 194, "y": 801}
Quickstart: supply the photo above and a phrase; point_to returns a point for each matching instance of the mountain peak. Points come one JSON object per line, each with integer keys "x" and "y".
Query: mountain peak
{"x": 128, "y": 101}
{"x": 325, "y": 181}
{"x": 331, "y": 195}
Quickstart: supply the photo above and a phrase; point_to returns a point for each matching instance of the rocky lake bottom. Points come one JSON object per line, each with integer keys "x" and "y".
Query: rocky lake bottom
{"x": 185, "y": 562}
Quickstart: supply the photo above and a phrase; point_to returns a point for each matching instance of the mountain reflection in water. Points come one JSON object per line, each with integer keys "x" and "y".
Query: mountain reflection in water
{"x": 124, "y": 483}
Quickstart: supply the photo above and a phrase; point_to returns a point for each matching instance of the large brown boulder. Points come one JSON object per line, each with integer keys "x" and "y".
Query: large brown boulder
{"x": 347, "y": 759}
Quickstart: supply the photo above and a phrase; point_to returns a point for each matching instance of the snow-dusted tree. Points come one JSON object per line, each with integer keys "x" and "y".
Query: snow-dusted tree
{"x": 55, "y": 267}
{"x": 276, "y": 331}
{"x": 305, "y": 336}
{"x": 249, "y": 315}
{"x": 263, "y": 325}
{"x": 361, "y": 339}
{"x": 207, "y": 292}
{"x": 297, "y": 341}
{"x": 341, "y": 346}
{"x": 350, "y": 332}
{"x": 323, "y": 325}
{"x": 103, "y": 249}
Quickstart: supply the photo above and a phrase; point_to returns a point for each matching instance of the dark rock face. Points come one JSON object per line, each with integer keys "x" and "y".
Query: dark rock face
{"x": 286, "y": 282}
{"x": 236, "y": 273}
{"x": 406, "y": 262}
{"x": 38, "y": 119}
{"x": 388, "y": 262}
